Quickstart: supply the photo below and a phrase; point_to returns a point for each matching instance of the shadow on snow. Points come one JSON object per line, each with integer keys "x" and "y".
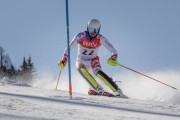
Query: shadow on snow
{"x": 70, "y": 101}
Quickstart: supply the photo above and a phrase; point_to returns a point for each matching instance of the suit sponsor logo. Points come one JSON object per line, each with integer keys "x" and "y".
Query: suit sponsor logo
{"x": 89, "y": 44}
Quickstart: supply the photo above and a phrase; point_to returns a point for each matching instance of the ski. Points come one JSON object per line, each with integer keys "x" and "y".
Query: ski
{"x": 107, "y": 94}
{"x": 93, "y": 92}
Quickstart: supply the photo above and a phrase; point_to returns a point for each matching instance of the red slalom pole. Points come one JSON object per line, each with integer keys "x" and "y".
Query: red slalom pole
{"x": 148, "y": 76}
{"x": 116, "y": 63}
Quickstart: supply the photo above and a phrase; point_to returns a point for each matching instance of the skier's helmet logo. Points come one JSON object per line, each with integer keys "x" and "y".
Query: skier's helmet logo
{"x": 93, "y": 26}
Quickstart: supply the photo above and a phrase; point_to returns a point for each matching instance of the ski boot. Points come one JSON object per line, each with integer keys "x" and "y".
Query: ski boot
{"x": 120, "y": 94}
{"x": 98, "y": 91}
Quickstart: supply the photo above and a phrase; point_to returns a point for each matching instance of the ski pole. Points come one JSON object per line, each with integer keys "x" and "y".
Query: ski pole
{"x": 148, "y": 77}
{"x": 115, "y": 63}
{"x": 58, "y": 79}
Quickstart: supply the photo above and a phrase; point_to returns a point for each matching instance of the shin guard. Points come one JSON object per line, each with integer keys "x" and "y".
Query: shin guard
{"x": 86, "y": 75}
{"x": 107, "y": 80}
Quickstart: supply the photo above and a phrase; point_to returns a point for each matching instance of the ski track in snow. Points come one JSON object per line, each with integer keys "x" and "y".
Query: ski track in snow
{"x": 23, "y": 102}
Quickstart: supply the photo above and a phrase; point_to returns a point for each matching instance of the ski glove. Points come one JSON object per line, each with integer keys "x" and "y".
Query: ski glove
{"x": 113, "y": 60}
{"x": 114, "y": 57}
{"x": 63, "y": 62}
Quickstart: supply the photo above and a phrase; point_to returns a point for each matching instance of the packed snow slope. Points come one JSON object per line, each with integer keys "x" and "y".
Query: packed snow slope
{"x": 133, "y": 85}
{"x": 24, "y": 102}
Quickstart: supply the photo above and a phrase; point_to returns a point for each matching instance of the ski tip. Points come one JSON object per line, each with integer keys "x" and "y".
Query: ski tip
{"x": 125, "y": 97}
{"x": 174, "y": 88}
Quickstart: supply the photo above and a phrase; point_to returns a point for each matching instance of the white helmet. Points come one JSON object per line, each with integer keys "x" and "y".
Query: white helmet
{"x": 93, "y": 26}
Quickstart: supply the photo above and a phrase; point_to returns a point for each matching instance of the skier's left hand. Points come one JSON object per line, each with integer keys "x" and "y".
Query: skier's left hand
{"x": 113, "y": 60}
{"x": 114, "y": 57}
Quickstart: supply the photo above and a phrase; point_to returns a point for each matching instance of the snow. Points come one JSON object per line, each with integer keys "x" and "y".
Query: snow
{"x": 23, "y": 102}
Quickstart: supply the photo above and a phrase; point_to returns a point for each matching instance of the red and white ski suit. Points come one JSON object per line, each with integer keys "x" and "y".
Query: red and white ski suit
{"x": 88, "y": 50}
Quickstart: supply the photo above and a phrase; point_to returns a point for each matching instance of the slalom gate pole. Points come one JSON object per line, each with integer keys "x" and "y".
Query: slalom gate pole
{"x": 69, "y": 60}
{"x": 147, "y": 76}
{"x": 58, "y": 79}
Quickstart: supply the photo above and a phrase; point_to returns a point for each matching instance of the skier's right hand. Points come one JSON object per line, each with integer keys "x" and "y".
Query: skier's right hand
{"x": 63, "y": 62}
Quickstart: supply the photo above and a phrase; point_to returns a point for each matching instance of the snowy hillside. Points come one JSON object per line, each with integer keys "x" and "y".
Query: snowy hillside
{"x": 23, "y": 102}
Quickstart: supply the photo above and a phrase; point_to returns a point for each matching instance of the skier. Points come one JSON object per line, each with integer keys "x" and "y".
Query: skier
{"x": 88, "y": 44}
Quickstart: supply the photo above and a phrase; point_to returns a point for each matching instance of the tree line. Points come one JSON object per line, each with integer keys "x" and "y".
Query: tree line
{"x": 25, "y": 73}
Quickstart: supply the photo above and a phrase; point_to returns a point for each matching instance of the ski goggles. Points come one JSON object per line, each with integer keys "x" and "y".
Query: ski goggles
{"x": 93, "y": 30}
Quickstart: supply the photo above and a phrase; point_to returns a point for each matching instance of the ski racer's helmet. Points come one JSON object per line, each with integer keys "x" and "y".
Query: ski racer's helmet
{"x": 93, "y": 26}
